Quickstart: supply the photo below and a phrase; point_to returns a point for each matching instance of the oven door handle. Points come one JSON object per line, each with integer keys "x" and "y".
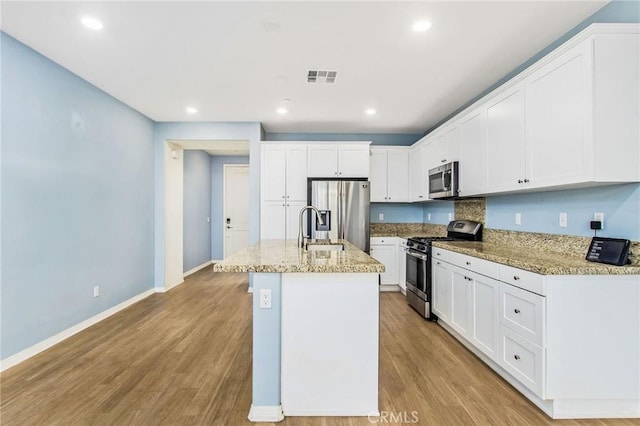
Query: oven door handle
{"x": 416, "y": 255}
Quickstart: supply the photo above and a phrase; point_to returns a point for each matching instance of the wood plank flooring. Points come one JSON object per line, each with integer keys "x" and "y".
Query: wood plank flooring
{"x": 184, "y": 358}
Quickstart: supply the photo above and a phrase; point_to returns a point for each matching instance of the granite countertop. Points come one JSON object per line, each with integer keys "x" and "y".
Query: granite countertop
{"x": 286, "y": 256}
{"x": 538, "y": 261}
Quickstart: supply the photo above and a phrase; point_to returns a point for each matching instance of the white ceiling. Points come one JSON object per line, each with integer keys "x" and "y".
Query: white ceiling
{"x": 237, "y": 61}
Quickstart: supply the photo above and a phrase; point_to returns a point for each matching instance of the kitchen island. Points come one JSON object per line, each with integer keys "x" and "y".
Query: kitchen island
{"x": 315, "y": 329}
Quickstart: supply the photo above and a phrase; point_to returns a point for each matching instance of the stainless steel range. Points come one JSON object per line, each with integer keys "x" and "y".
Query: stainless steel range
{"x": 419, "y": 274}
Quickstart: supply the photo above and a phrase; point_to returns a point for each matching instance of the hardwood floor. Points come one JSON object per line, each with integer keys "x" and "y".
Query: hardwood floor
{"x": 184, "y": 358}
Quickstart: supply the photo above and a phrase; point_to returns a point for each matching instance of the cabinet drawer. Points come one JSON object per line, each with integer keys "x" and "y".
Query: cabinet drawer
{"x": 382, "y": 240}
{"x": 522, "y": 359}
{"x": 521, "y": 278}
{"x": 480, "y": 266}
{"x": 522, "y": 312}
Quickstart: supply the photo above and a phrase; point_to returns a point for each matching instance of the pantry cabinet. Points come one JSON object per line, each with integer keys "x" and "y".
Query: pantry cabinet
{"x": 283, "y": 189}
{"x": 389, "y": 175}
{"x": 339, "y": 160}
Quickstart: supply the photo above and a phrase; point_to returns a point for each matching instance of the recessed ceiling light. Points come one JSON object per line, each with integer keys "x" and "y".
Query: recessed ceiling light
{"x": 192, "y": 110}
{"x": 92, "y": 23}
{"x": 421, "y": 26}
{"x": 370, "y": 111}
{"x": 281, "y": 111}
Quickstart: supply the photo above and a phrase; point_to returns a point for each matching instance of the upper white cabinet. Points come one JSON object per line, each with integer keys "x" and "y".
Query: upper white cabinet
{"x": 418, "y": 171}
{"x": 473, "y": 150}
{"x": 283, "y": 189}
{"x": 444, "y": 148}
{"x": 339, "y": 160}
{"x": 570, "y": 120}
{"x": 505, "y": 157}
{"x": 389, "y": 175}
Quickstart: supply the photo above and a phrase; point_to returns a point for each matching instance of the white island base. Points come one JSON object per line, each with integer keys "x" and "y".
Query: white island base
{"x": 330, "y": 344}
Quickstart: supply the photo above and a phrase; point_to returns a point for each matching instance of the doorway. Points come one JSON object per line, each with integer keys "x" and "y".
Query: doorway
{"x": 236, "y": 208}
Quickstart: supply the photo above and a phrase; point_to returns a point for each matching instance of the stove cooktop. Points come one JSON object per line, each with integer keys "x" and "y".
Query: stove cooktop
{"x": 425, "y": 240}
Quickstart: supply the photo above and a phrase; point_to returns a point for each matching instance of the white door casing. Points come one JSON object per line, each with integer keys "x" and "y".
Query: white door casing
{"x": 236, "y": 207}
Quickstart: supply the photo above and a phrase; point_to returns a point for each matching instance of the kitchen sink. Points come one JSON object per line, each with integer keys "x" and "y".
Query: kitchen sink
{"x": 324, "y": 246}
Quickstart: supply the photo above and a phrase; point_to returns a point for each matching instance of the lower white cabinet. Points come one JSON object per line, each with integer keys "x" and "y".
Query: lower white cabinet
{"x": 383, "y": 249}
{"x": 569, "y": 343}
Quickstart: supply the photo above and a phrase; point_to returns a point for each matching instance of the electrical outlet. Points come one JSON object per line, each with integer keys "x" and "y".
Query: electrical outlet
{"x": 599, "y": 217}
{"x": 450, "y": 217}
{"x": 429, "y": 216}
{"x": 265, "y": 299}
{"x": 380, "y": 216}
{"x": 96, "y": 291}
{"x": 563, "y": 220}
{"x": 518, "y": 218}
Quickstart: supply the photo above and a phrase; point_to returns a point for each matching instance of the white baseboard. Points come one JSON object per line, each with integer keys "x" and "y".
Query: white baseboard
{"x": 21, "y": 356}
{"x": 389, "y": 287}
{"x": 197, "y": 268}
{"x": 266, "y": 413}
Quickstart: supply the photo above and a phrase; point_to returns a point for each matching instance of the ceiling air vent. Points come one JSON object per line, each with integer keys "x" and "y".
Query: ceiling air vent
{"x": 314, "y": 76}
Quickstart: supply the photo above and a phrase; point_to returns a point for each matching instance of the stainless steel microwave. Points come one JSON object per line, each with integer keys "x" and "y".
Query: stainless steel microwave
{"x": 443, "y": 181}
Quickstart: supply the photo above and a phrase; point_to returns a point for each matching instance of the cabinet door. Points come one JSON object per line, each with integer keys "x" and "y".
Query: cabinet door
{"x": 397, "y": 175}
{"x": 461, "y": 285}
{"x": 558, "y": 108}
{"x": 473, "y": 150}
{"x": 323, "y": 161}
{"x": 506, "y": 140}
{"x": 418, "y": 174}
{"x": 402, "y": 263}
{"x": 353, "y": 161}
{"x": 484, "y": 324}
{"x": 441, "y": 304}
{"x": 293, "y": 219}
{"x": 272, "y": 220}
{"x": 274, "y": 160}
{"x": 386, "y": 254}
{"x": 297, "y": 173}
{"x": 378, "y": 178}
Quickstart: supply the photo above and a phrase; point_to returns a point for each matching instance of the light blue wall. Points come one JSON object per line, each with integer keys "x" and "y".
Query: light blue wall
{"x": 247, "y": 131}
{"x": 77, "y": 199}
{"x": 439, "y": 211}
{"x": 266, "y": 341}
{"x": 619, "y": 203}
{"x": 398, "y": 139}
{"x": 217, "y": 202}
{"x": 196, "y": 209}
{"x": 396, "y": 213}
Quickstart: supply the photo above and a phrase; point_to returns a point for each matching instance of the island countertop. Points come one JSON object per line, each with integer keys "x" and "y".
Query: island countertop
{"x": 285, "y": 256}
{"x": 538, "y": 261}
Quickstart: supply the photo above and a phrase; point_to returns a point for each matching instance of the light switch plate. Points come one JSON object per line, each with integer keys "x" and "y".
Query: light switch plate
{"x": 265, "y": 298}
{"x": 518, "y": 218}
{"x": 380, "y": 216}
{"x": 563, "y": 220}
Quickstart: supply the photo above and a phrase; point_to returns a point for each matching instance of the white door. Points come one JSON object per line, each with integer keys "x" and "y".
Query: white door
{"x": 353, "y": 161}
{"x": 236, "y": 207}
{"x": 397, "y": 176}
{"x": 386, "y": 254}
{"x": 378, "y": 179}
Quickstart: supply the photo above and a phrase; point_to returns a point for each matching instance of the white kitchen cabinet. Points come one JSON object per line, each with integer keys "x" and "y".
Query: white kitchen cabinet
{"x": 402, "y": 264}
{"x": 389, "y": 168}
{"x": 283, "y": 189}
{"x": 442, "y": 297}
{"x": 338, "y": 160}
{"x": 384, "y": 250}
{"x": 418, "y": 170}
{"x": 505, "y": 155}
{"x": 473, "y": 151}
{"x": 444, "y": 148}
{"x": 557, "y": 339}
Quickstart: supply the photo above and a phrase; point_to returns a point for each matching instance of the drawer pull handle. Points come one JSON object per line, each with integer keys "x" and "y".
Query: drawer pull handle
{"x": 517, "y": 357}
{"x": 517, "y": 311}
{"x": 516, "y": 278}
{"x": 468, "y": 263}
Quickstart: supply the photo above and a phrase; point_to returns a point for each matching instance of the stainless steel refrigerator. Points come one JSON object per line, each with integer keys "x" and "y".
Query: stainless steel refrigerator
{"x": 344, "y": 205}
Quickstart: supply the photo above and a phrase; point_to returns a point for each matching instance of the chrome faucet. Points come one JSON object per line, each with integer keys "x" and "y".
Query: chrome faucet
{"x": 300, "y": 236}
